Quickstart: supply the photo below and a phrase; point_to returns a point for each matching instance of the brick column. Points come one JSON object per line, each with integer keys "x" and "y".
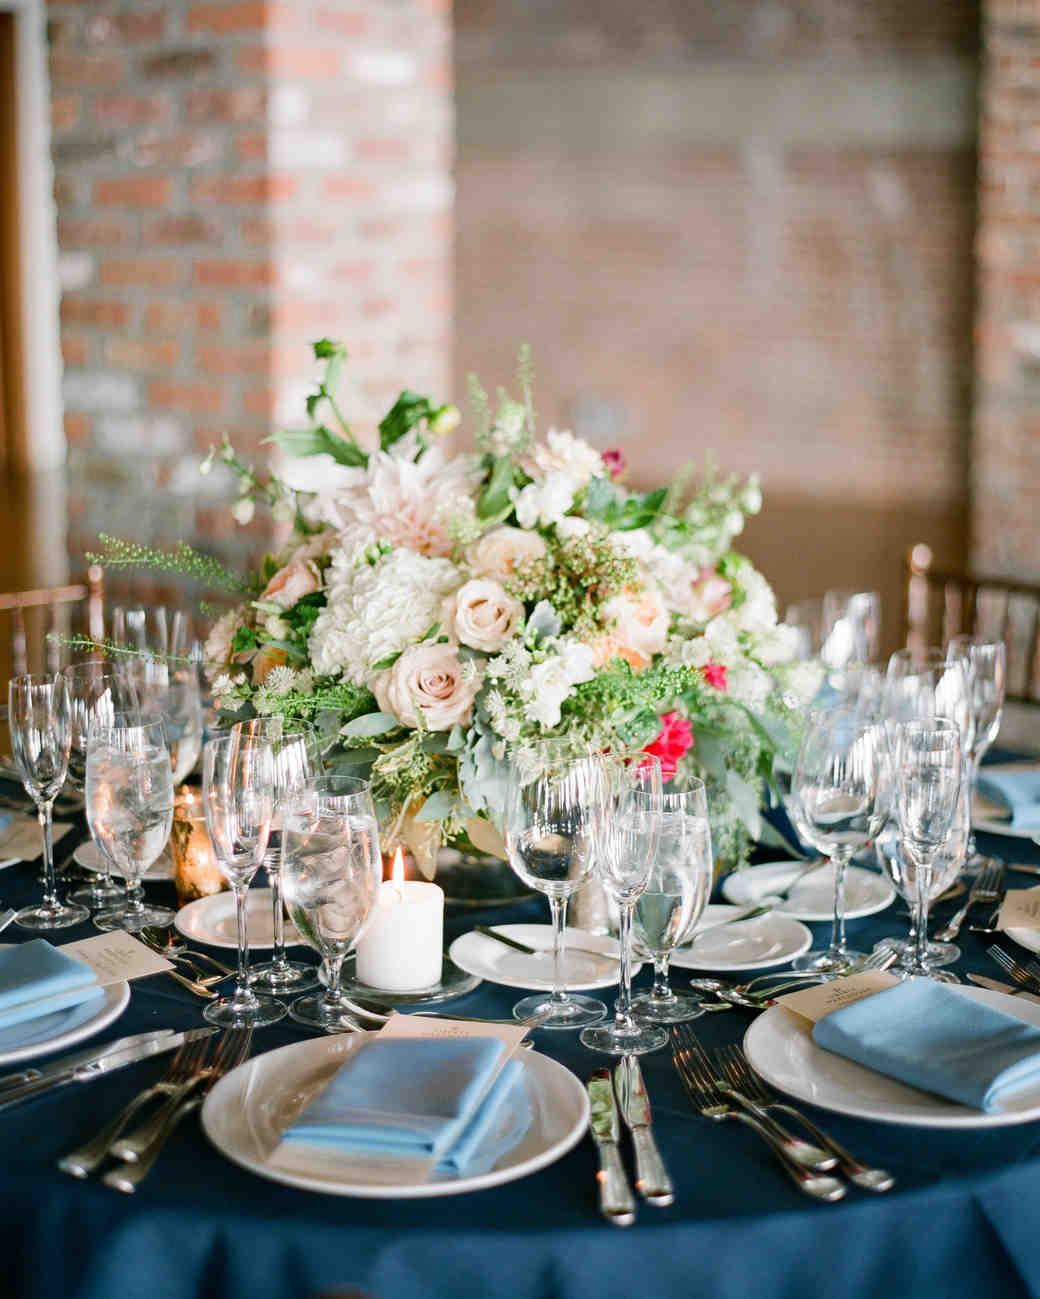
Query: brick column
{"x": 234, "y": 180}
{"x": 1006, "y": 457}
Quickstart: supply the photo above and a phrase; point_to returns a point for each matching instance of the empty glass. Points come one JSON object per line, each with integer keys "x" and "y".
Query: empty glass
{"x": 851, "y": 628}
{"x": 129, "y": 794}
{"x": 986, "y": 666}
{"x": 38, "y": 718}
{"x": 331, "y": 871}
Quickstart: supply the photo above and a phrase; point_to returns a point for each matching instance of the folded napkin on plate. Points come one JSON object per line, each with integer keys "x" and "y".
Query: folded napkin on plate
{"x": 36, "y": 979}
{"x": 1017, "y": 793}
{"x": 934, "y": 1037}
{"x": 446, "y": 1100}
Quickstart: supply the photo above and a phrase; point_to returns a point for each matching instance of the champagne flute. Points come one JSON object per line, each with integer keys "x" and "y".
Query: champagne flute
{"x": 675, "y": 896}
{"x": 238, "y": 795}
{"x": 986, "y": 666}
{"x": 554, "y": 811}
{"x": 296, "y": 748}
{"x": 129, "y": 794}
{"x": 626, "y": 849}
{"x": 38, "y": 717}
{"x": 928, "y": 777}
{"x": 331, "y": 872}
{"x": 839, "y": 784}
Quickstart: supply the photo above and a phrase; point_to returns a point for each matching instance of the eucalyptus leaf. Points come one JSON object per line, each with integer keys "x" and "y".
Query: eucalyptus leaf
{"x": 494, "y": 499}
{"x": 320, "y": 440}
{"x": 745, "y": 800}
{"x": 370, "y": 724}
{"x": 438, "y": 806}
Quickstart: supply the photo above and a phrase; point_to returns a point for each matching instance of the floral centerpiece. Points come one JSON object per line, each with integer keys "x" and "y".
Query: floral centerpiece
{"x": 432, "y": 612}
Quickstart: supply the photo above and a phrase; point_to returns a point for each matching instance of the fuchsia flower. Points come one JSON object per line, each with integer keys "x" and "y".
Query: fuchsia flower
{"x": 616, "y": 464}
{"x": 673, "y": 743}
{"x": 715, "y": 675}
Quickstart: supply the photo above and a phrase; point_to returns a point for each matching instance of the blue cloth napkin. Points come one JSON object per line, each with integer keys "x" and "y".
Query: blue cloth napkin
{"x": 416, "y": 1098}
{"x": 36, "y": 979}
{"x": 1018, "y": 792}
{"x": 499, "y": 1123}
{"x": 934, "y": 1037}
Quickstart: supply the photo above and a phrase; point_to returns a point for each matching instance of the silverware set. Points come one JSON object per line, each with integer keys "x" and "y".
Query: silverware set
{"x": 194, "y": 976}
{"x": 987, "y": 888}
{"x": 776, "y": 984}
{"x": 625, "y": 1095}
{"x": 1026, "y": 976}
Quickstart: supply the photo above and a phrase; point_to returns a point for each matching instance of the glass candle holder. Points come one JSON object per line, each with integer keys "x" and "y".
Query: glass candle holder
{"x": 195, "y": 870}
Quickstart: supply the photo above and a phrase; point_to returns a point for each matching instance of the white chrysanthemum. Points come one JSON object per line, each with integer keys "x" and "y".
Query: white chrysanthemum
{"x": 544, "y": 503}
{"x": 563, "y": 453}
{"x": 279, "y": 681}
{"x": 377, "y": 610}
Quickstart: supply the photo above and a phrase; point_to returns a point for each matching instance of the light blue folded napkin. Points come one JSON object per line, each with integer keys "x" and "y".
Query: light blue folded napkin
{"x": 1018, "y": 792}
{"x": 934, "y": 1037}
{"x": 422, "y": 1098}
{"x": 36, "y": 979}
{"x": 501, "y": 1120}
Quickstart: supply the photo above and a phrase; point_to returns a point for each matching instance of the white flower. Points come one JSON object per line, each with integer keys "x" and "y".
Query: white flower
{"x": 751, "y": 497}
{"x": 571, "y": 526}
{"x": 482, "y": 615}
{"x": 428, "y": 682}
{"x": 748, "y": 683}
{"x": 221, "y": 635}
{"x": 282, "y": 511}
{"x": 279, "y": 681}
{"x": 722, "y": 638}
{"x": 499, "y": 551}
{"x": 277, "y": 628}
{"x": 779, "y": 645}
{"x": 304, "y": 682}
{"x": 243, "y": 510}
{"x": 757, "y": 613}
{"x": 668, "y": 568}
{"x": 545, "y": 503}
{"x": 376, "y": 610}
{"x": 550, "y": 682}
{"x": 693, "y": 652}
{"x": 509, "y": 429}
{"x": 563, "y": 453}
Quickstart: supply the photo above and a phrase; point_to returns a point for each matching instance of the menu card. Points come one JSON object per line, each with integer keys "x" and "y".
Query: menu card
{"x": 117, "y": 956}
{"x": 1020, "y": 909}
{"x": 813, "y": 1003}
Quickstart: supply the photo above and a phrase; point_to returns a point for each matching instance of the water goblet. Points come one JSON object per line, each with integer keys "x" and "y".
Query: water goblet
{"x": 626, "y": 849}
{"x": 554, "y": 811}
{"x": 986, "y": 665}
{"x": 929, "y": 771}
{"x": 674, "y": 898}
{"x": 331, "y": 872}
{"x": 296, "y": 748}
{"x": 129, "y": 797}
{"x": 238, "y": 796}
{"x": 38, "y": 718}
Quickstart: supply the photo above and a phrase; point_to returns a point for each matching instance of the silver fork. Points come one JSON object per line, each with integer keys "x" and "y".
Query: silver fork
{"x": 175, "y": 953}
{"x": 1018, "y": 973}
{"x": 231, "y": 1051}
{"x": 739, "y": 1070}
{"x": 988, "y": 886}
{"x": 91, "y": 1155}
{"x": 711, "y": 1104}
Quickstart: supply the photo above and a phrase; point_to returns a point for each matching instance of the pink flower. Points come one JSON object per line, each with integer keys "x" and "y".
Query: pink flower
{"x": 616, "y": 464}
{"x": 709, "y": 596}
{"x": 674, "y": 742}
{"x": 291, "y": 583}
{"x": 715, "y": 675}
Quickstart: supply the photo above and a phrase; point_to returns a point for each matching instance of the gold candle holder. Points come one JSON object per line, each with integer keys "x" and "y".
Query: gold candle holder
{"x": 195, "y": 870}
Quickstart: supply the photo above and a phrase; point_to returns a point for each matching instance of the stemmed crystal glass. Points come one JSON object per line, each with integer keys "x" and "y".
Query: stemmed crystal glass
{"x": 929, "y": 771}
{"x": 172, "y": 689}
{"x": 331, "y": 871}
{"x": 555, "y": 807}
{"x": 129, "y": 795}
{"x": 97, "y": 692}
{"x": 986, "y": 666}
{"x": 296, "y": 748}
{"x": 674, "y": 898}
{"x": 38, "y": 717}
{"x": 626, "y": 850}
{"x": 238, "y": 795}
{"x": 840, "y": 786}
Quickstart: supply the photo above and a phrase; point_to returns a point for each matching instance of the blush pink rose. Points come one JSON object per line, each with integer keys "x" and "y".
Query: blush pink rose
{"x": 482, "y": 615}
{"x": 640, "y": 621}
{"x": 428, "y": 680}
{"x": 291, "y": 583}
{"x": 674, "y": 742}
{"x": 709, "y": 596}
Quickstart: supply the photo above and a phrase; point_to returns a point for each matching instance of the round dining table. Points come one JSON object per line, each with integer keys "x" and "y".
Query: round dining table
{"x": 962, "y": 1220}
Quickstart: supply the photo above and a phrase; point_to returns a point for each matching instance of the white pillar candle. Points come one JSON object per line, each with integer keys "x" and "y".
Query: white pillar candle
{"x": 401, "y": 947}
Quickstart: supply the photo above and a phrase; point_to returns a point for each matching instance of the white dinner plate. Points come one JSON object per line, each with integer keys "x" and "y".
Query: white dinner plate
{"x": 212, "y": 920}
{"x": 87, "y": 856}
{"x": 992, "y": 826}
{"x": 813, "y": 898}
{"x": 780, "y": 1048}
{"x": 489, "y": 959}
{"x": 248, "y": 1109}
{"x": 62, "y": 1028}
{"x": 755, "y": 944}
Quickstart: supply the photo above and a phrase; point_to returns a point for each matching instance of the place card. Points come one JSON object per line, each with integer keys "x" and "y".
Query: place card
{"x": 424, "y": 1026}
{"x": 813, "y": 1003}
{"x": 1020, "y": 909}
{"x": 117, "y": 956}
{"x": 22, "y": 838}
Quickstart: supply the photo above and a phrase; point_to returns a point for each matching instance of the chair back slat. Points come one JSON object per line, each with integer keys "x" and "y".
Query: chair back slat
{"x": 40, "y": 618}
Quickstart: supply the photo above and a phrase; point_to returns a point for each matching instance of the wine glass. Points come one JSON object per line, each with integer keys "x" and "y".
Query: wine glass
{"x": 172, "y": 689}
{"x": 129, "y": 794}
{"x": 331, "y": 871}
{"x": 929, "y": 772}
{"x": 986, "y": 666}
{"x": 38, "y": 717}
{"x": 554, "y": 811}
{"x": 626, "y": 849}
{"x": 155, "y": 631}
{"x": 676, "y": 893}
{"x": 238, "y": 795}
{"x": 296, "y": 748}
{"x": 851, "y": 627}
{"x": 97, "y": 692}
{"x": 806, "y": 616}
{"x": 839, "y": 785}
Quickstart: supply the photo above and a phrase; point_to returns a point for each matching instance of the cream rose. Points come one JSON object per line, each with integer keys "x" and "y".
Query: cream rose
{"x": 640, "y": 621}
{"x": 427, "y": 680}
{"x": 291, "y": 583}
{"x": 708, "y": 596}
{"x": 482, "y": 615}
{"x": 498, "y": 552}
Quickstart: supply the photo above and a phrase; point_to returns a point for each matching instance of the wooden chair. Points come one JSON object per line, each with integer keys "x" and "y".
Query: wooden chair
{"x": 939, "y": 606}
{"x": 61, "y": 609}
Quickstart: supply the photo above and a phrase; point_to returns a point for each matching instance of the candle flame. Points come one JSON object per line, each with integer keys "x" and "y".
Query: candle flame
{"x": 397, "y": 867}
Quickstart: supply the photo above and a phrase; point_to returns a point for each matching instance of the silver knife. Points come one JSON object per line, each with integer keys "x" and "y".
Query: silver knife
{"x": 996, "y": 986}
{"x": 652, "y": 1180}
{"x": 79, "y": 1058}
{"x": 107, "y": 1064}
{"x": 616, "y": 1201}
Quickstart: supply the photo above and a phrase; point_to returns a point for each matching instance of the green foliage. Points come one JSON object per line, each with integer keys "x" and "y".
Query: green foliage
{"x": 182, "y": 559}
{"x": 319, "y": 440}
{"x": 619, "y": 512}
{"x": 494, "y": 500}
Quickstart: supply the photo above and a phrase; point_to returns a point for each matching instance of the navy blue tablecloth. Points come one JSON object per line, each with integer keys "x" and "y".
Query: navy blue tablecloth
{"x": 963, "y": 1221}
